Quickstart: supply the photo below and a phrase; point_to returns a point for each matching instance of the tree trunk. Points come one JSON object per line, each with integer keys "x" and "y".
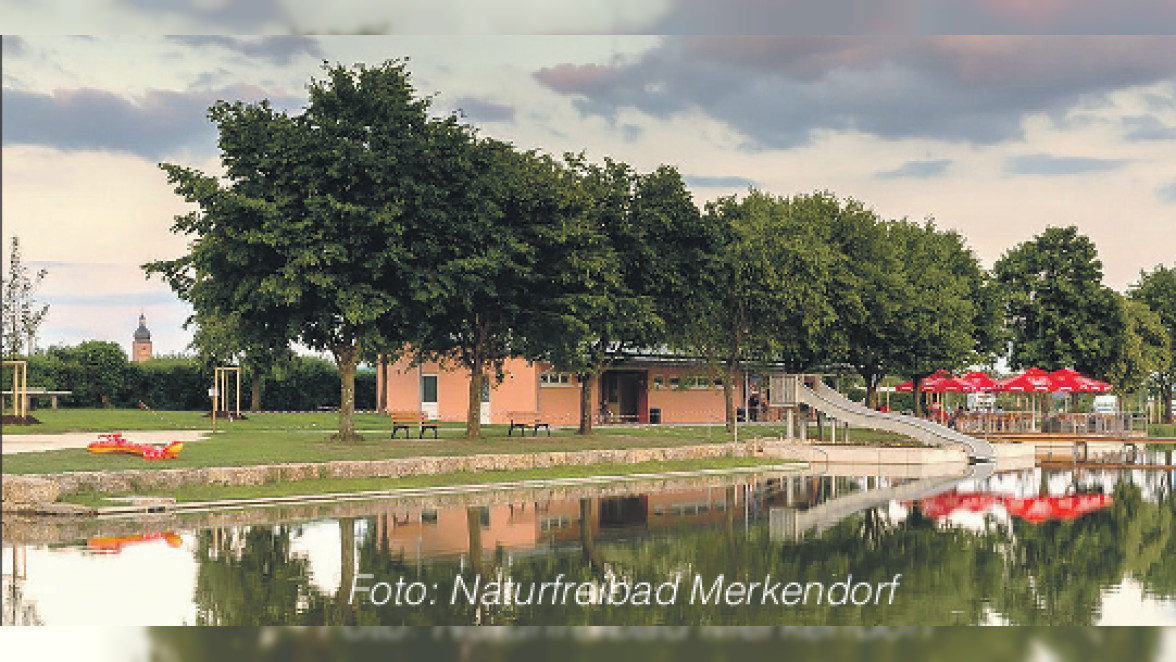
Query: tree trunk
{"x": 587, "y": 384}
{"x": 1166, "y": 386}
{"x": 588, "y": 550}
{"x": 381, "y": 383}
{"x": 872, "y": 380}
{"x": 729, "y": 394}
{"x": 347, "y": 357}
{"x": 255, "y": 388}
{"x": 346, "y": 570}
{"x": 917, "y": 383}
{"x": 474, "y": 412}
{"x": 474, "y": 526}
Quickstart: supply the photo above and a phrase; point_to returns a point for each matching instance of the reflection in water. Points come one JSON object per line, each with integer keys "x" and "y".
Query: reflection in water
{"x": 644, "y": 644}
{"x": 967, "y": 553}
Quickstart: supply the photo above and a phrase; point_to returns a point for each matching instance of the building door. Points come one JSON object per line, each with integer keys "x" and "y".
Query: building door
{"x": 623, "y": 396}
{"x": 429, "y": 396}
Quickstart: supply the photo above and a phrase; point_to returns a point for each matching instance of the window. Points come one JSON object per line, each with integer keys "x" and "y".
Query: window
{"x": 659, "y": 382}
{"x": 428, "y": 388}
{"x": 556, "y": 379}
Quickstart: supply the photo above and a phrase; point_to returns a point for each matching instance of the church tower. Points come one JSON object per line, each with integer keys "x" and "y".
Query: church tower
{"x": 141, "y": 348}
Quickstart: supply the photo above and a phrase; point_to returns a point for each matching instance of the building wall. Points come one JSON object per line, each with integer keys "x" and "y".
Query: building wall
{"x": 688, "y": 404}
{"x": 518, "y": 391}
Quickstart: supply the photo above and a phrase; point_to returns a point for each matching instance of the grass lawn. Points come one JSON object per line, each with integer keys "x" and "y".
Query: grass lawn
{"x": 351, "y": 485}
{"x": 1161, "y": 430}
{"x": 304, "y": 437}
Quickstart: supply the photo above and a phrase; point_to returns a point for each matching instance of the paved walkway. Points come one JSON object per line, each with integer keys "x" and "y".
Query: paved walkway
{"x": 32, "y": 443}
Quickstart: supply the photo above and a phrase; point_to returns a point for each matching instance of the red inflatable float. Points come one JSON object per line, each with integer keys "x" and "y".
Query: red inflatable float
{"x": 115, "y": 443}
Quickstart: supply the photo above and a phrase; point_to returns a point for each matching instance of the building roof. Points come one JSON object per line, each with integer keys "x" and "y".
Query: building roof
{"x": 141, "y": 333}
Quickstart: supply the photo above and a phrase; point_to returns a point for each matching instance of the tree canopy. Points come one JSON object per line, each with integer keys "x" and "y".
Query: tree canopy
{"x": 1157, "y": 289}
{"x": 312, "y": 233}
{"x": 1058, "y": 312}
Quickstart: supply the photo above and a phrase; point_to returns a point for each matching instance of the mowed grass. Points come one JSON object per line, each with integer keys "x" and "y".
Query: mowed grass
{"x": 190, "y": 493}
{"x": 1161, "y": 430}
{"x": 305, "y": 437}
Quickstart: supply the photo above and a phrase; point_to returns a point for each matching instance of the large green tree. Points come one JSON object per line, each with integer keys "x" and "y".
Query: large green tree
{"x": 1142, "y": 350}
{"x": 1157, "y": 289}
{"x": 947, "y": 317}
{"x": 765, "y": 297}
{"x": 1058, "y": 312}
{"x": 503, "y": 223}
{"x": 618, "y": 263}
{"x": 313, "y": 232}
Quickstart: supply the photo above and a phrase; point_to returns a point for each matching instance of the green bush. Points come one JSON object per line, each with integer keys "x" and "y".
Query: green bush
{"x": 100, "y": 374}
{"x": 305, "y": 383}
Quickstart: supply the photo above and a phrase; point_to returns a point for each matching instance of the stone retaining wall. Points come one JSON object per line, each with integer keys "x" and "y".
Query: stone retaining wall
{"x": 20, "y": 491}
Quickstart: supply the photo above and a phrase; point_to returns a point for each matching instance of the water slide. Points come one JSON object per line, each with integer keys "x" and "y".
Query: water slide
{"x": 824, "y": 399}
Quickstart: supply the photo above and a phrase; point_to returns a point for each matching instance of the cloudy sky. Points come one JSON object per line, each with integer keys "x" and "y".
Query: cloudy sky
{"x": 1039, "y": 121}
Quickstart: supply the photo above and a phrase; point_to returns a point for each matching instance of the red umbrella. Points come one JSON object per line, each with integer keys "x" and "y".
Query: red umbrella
{"x": 939, "y": 382}
{"x": 980, "y": 381}
{"x": 1032, "y": 380}
{"x": 1070, "y": 380}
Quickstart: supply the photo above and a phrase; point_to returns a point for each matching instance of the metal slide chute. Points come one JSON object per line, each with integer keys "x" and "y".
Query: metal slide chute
{"x": 792, "y": 390}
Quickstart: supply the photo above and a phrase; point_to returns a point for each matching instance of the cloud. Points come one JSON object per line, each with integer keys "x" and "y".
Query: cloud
{"x": 153, "y": 125}
{"x": 917, "y": 169}
{"x": 1049, "y": 165}
{"x": 722, "y": 181}
{"x": 779, "y": 91}
{"x": 1147, "y": 127}
{"x": 13, "y": 46}
{"x": 1168, "y": 193}
{"x": 481, "y": 110}
{"x": 1086, "y": 17}
{"x": 747, "y": 17}
{"x": 240, "y": 16}
{"x": 280, "y": 50}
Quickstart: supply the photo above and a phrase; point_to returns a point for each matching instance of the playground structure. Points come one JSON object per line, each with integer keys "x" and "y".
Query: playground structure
{"x": 20, "y": 388}
{"x": 790, "y": 392}
{"x": 220, "y": 393}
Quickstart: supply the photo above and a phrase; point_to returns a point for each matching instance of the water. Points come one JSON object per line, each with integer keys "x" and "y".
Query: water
{"x": 1005, "y": 549}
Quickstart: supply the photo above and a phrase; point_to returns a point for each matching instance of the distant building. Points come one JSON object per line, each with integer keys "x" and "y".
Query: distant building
{"x": 141, "y": 347}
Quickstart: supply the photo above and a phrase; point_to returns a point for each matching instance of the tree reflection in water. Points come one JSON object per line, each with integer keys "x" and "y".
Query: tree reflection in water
{"x": 1016, "y": 572}
{"x": 1065, "y": 644}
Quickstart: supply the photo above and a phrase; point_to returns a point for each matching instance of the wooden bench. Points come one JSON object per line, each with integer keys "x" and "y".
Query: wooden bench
{"x": 526, "y": 419}
{"x": 403, "y": 420}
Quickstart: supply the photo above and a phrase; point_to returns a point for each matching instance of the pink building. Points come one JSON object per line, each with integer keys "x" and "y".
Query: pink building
{"x": 651, "y": 390}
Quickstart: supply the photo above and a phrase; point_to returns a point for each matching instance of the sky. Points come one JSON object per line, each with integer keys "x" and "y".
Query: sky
{"x": 996, "y": 118}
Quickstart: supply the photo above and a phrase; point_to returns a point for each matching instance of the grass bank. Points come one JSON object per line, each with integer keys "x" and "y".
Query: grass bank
{"x": 205, "y": 492}
{"x": 286, "y": 438}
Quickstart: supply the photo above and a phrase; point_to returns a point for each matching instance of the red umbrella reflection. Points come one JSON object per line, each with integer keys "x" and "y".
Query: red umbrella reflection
{"x": 1039, "y": 509}
{"x": 942, "y": 505}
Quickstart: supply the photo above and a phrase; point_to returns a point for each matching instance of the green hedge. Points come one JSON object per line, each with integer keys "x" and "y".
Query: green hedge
{"x": 100, "y": 374}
